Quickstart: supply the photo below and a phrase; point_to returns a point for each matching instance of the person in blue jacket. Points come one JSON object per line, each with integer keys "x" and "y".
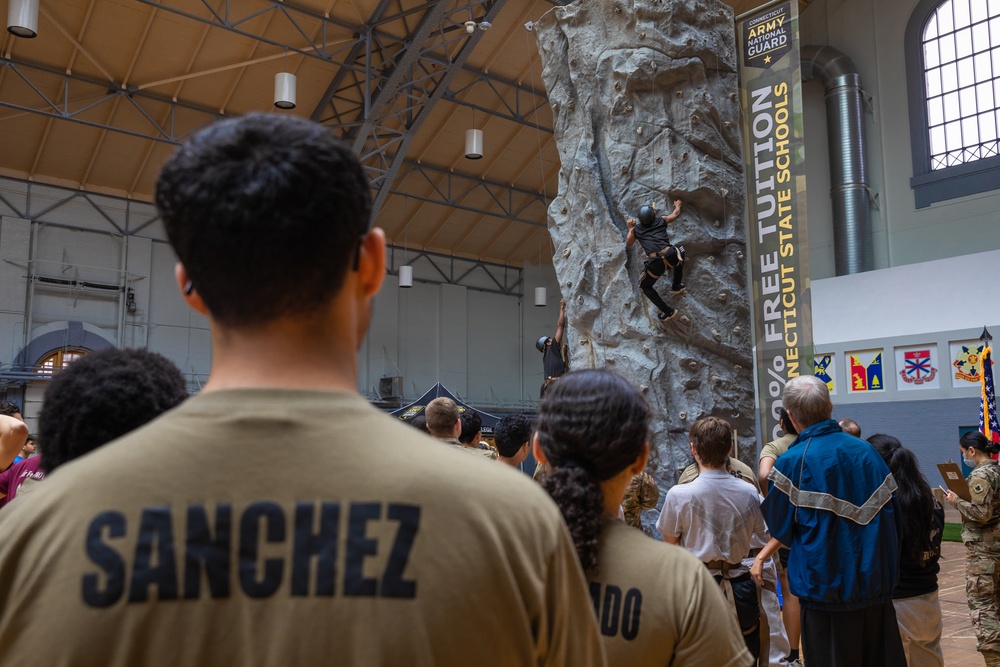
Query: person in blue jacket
{"x": 831, "y": 501}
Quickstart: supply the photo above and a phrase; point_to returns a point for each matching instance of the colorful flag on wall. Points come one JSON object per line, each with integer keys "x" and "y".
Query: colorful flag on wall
{"x": 917, "y": 367}
{"x": 866, "y": 376}
{"x": 967, "y": 363}
{"x": 823, "y": 369}
{"x": 988, "y": 424}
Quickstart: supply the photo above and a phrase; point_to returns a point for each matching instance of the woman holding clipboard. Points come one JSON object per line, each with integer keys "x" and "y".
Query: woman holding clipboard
{"x": 981, "y": 534}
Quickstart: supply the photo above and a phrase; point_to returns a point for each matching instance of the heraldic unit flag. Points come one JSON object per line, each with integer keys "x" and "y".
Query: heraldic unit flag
{"x": 988, "y": 423}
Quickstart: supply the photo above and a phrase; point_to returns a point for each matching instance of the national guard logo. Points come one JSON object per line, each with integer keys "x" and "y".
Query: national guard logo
{"x": 918, "y": 369}
{"x": 967, "y": 363}
{"x": 766, "y": 38}
{"x": 866, "y": 375}
{"x": 822, "y": 370}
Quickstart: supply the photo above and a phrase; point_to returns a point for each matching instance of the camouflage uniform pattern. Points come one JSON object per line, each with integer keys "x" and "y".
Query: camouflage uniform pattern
{"x": 981, "y": 534}
{"x": 641, "y": 494}
{"x": 734, "y": 467}
{"x": 490, "y": 454}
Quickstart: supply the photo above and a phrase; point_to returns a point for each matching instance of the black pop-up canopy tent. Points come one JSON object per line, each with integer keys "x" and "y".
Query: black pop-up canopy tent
{"x": 408, "y": 412}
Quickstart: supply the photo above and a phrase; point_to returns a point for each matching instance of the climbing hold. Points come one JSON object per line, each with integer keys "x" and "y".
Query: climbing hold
{"x": 683, "y": 416}
{"x": 716, "y": 335}
{"x": 659, "y": 160}
{"x": 737, "y": 330}
{"x": 566, "y": 254}
{"x": 737, "y": 368}
{"x": 717, "y": 224}
{"x": 693, "y": 365}
{"x": 722, "y": 296}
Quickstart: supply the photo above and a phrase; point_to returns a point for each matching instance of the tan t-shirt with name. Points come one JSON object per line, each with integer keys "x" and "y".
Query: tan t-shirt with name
{"x": 659, "y": 605}
{"x": 283, "y": 527}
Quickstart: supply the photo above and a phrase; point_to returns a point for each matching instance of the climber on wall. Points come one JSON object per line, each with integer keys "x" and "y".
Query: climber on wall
{"x": 651, "y": 232}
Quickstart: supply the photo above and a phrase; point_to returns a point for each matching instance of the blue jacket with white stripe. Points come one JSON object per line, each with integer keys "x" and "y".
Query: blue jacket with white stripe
{"x": 830, "y": 499}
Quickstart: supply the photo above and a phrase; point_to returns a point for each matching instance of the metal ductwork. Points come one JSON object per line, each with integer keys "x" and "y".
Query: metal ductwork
{"x": 852, "y": 225}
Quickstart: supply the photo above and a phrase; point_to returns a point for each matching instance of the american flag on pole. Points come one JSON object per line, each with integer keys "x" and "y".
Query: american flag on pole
{"x": 988, "y": 423}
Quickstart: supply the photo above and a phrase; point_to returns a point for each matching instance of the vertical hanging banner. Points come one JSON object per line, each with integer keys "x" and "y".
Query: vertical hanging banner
{"x": 771, "y": 95}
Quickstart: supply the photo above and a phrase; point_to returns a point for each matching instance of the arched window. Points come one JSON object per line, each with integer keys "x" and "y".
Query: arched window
{"x": 953, "y": 80}
{"x": 58, "y": 360}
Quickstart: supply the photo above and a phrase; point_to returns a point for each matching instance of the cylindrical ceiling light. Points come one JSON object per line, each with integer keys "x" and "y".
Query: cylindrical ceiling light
{"x": 22, "y": 18}
{"x": 284, "y": 90}
{"x": 406, "y": 276}
{"x": 541, "y": 297}
{"x": 473, "y": 144}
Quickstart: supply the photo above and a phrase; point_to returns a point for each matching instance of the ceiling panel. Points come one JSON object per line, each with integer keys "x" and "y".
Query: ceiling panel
{"x": 184, "y": 71}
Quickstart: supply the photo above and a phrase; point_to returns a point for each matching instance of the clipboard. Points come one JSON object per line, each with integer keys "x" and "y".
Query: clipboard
{"x": 954, "y": 480}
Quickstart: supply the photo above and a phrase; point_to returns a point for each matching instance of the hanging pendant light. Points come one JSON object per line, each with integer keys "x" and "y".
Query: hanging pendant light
{"x": 541, "y": 297}
{"x": 473, "y": 141}
{"x": 405, "y": 271}
{"x": 284, "y": 90}
{"x": 22, "y": 18}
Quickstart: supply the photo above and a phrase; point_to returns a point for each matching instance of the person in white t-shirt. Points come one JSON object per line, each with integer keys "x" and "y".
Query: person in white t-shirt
{"x": 716, "y": 517}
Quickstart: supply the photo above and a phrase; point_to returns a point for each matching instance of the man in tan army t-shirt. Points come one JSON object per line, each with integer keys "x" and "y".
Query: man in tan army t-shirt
{"x": 277, "y": 518}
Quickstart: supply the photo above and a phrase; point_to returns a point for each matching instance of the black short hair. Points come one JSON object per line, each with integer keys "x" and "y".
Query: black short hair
{"x": 472, "y": 424}
{"x": 9, "y": 409}
{"x": 266, "y": 213}
{"x": 979, "y": 441}
{"x": 101, "y": 397}
{"x": 511, "y": 433}
{"x": 786, "y": 424}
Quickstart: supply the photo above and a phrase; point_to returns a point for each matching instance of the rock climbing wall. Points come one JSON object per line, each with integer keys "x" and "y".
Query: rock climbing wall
{"x": 646, "y": 110}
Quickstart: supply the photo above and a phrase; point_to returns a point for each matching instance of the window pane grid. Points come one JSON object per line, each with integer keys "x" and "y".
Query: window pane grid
{"x": 961, "y": 48}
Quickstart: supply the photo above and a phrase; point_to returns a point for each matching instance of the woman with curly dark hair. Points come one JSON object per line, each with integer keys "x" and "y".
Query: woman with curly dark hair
{"x": 656, "y": 603}
{"x": 918, "y": 612}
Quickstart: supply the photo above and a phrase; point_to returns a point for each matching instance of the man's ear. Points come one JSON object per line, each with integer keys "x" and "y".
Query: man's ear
{"x": 371, "y": 261}
{"x": 536, "y": 450}
{"x": 188, "y": 292}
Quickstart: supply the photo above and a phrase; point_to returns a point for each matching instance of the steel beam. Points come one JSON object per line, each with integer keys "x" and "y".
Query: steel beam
{"x": 97, "y": 93}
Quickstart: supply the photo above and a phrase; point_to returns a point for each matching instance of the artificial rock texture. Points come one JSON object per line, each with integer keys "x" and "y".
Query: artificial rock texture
{"x": 646, "y": 110}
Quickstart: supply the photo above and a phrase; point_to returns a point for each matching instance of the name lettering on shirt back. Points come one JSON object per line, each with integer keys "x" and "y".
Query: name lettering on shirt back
{"x": 254, "y": 552}
{"x": 617, "y": 613}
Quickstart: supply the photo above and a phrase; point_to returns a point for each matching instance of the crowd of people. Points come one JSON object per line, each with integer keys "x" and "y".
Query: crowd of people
{"x": 276, "y": 518}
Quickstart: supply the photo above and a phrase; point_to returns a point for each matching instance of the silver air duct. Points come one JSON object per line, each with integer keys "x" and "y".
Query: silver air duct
{"x": 852, "y": 225}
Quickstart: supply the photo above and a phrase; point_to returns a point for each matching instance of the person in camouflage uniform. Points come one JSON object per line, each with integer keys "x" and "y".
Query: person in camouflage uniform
{"x": 981, "y": 534}
{"x": 640, "y": 494}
